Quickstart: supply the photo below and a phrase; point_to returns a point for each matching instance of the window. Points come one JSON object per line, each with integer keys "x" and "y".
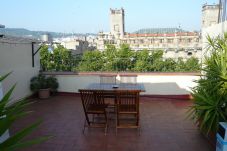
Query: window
{"x": 169, "y": 40}
{"x": 116, "y": 27}
{"x": 189, "y": 53}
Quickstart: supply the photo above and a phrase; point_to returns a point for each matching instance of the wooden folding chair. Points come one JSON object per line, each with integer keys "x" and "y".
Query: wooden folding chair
{"x": 127, "y": 109}
{"x": 94, "y": 105}
{"x": 109, "y": 97}
{"x": 130, "y": 79}
{"x": 108, "y": 79}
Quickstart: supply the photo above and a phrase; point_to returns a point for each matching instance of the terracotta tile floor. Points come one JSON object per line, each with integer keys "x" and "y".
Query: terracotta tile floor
{"x": 163, "y": 121}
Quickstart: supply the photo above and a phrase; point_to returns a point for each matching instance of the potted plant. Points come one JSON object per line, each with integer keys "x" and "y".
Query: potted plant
{"x": 210, "y": 95}
{"x": 43, "y": 85}
{"x": 52, "y": 84}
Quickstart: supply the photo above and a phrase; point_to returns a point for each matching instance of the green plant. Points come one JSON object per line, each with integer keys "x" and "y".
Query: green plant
{"x": 210, "y": 95}
{"x": 39, "y": 82}
{"x": 8, "y": 115}
{"x": 52, "y": 83}
{"x": 43, "y": 82}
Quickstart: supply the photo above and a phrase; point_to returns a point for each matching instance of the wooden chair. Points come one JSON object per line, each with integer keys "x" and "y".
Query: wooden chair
{"x": 94, "y": 105}
{"x": 127, "y": 106}
{"x": 108, "y": 79}
{"x": 130, "y": 79}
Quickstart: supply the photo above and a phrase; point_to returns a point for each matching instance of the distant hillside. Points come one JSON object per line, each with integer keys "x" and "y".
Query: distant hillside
{"x": 21, "y": 32}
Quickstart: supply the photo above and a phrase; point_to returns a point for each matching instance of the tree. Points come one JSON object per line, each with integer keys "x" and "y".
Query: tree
{"x": 124, "y": 59}
{"x": 109, "y": 58}
{"x": 45, "y": 59}
{"x": 60, "y": 60}
{"x": 143, "y": 61}
{"x": 91, "y": 61}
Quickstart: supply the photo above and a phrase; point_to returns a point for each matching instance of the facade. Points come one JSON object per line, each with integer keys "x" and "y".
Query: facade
{"x": 76, "y": 45}
{"x": 219, "y": 27}
{"x": 174, "y": 41}
{"x": 210, "y": 14}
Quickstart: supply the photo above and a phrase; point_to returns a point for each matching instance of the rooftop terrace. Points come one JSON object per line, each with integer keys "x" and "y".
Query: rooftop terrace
{"x": 164, "y": 127}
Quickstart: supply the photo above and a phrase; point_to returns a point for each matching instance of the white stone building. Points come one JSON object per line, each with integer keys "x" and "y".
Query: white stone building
{"x": 75, "y": 45}
{"x": 174, "y": 41}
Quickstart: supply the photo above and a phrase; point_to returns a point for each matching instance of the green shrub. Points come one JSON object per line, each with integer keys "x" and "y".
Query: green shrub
{"x": 43, "y": 82}
{"x": 210, "y": 95}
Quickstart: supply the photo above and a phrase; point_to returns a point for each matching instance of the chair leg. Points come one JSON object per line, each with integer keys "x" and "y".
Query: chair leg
{"x": 106, "y": 119}
{"x": 106, "y": 128}
{"x": 139, "y": 130}
{"x": 84, "y": 126}
{"x": 116, "y": 123}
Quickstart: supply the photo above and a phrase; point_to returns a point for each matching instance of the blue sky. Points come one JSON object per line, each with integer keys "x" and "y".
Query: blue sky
{"x": 83, "y": 16}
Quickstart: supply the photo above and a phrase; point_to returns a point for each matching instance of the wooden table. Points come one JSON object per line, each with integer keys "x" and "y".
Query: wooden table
{"x": 121, "y": 86}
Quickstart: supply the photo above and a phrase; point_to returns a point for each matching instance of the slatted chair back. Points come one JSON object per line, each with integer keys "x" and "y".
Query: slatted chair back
{"x": 131, "y": 79}
{"x": 88, "y": 98}
{"x": 128, "y": 101}
{"x": 108, "y": 79}
{"x": 127, "y": 105}
{"x": 93, "y": 104}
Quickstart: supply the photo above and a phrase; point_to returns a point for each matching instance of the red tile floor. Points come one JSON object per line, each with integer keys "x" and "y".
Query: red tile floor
{"x": 164, "y": 127}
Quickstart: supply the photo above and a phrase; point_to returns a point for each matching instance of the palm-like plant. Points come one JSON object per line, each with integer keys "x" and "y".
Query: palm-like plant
{"x": 8, "y": 115}
{"x": 210, "y": 95}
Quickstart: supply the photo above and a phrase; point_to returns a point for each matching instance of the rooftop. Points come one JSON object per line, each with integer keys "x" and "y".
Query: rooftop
{"x": 159, "y": 30}
{"x": 164, "y": 127}
{"x": 15, "y": 40}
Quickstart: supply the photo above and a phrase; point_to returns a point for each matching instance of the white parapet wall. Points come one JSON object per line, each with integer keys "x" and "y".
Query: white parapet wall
{"x": 155, "y": 83}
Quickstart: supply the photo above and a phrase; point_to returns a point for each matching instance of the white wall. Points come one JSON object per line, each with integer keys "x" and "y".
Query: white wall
{"x": 213, "y": 31}
{"x": 154, "y": 84}
{"x": 18, "y": 58}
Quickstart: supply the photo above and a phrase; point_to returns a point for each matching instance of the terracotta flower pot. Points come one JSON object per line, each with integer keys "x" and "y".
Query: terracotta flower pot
{"x": 44, "y": 93}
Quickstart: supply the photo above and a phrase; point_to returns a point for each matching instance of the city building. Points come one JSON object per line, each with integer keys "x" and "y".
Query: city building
{"x": 77, "y": 45}
{"x": 210, "y": 15}
{"x": 175, "y": 42}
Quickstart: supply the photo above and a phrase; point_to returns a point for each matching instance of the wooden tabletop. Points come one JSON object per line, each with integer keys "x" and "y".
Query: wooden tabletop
{"x": 116, "y": 87}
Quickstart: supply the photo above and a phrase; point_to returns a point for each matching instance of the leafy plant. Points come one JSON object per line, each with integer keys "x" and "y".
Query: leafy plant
{"x": 210, "y": 95}
{"x": 39, "y": 82}
{"x": 8, "y": 115}
{"x": 43, "y": 82}
{"x": 52, "y": 83}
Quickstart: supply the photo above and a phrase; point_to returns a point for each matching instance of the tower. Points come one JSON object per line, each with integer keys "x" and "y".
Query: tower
{"x": 117, "y": 22}
{"x": 209, "y": 15}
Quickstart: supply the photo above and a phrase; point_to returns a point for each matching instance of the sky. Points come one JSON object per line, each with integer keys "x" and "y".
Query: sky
{"x": 92, "y": 16}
